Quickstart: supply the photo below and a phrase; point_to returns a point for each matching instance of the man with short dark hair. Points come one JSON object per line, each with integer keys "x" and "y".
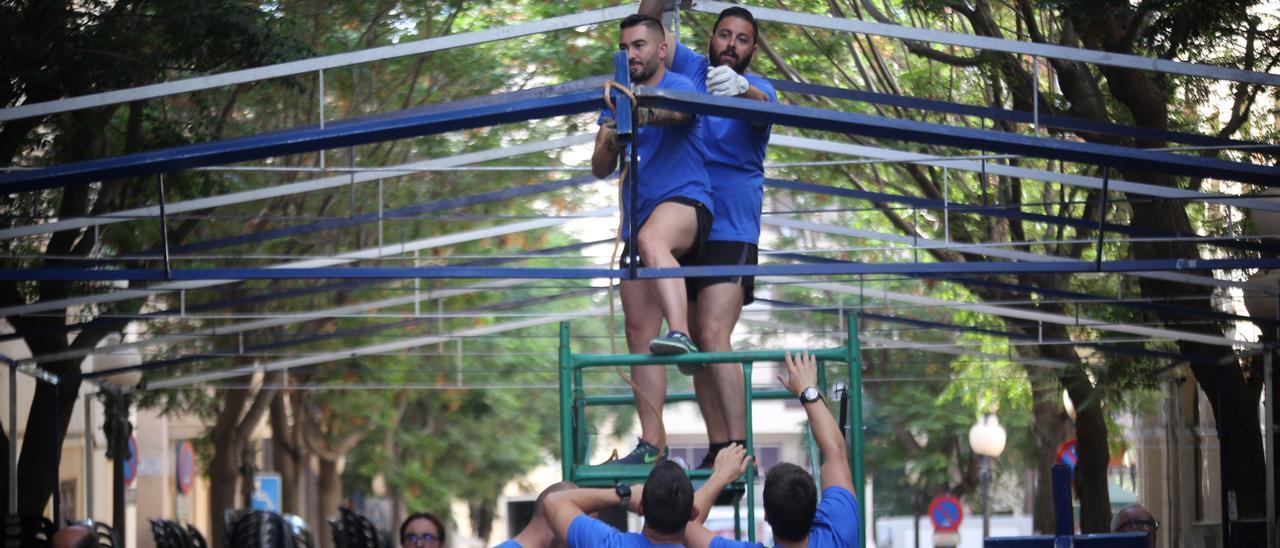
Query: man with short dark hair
{"x": 673, "y": 217}
{"x": 74, "y": 536}
{"x": 1135, "y": 518}
{"x": 538, "y": 533}
{"x": 735, "y": 163}
{"x": 791, "y": 505}
{"x": 665, "y": 500}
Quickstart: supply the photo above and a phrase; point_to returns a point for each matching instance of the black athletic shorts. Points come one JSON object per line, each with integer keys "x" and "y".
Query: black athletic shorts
{"x": 721, "y": 253}
{"x": 699, "y": 239}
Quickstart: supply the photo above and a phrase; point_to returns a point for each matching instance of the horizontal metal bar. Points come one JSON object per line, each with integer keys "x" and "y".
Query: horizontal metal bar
{"x": 1073, "y": 297}
{"x": 375, "y": 349}
{"x": 315, "y": 64}
{"x": 400, "y": 125}
{"x": 584, "y": 361}
{"x": 997, "y": 44}
{"x": 627, "y": 399}
{"x": 1081, "y": 181}
{"x": 868, "y": 293}
{"x": 364, "y": 330}
{"x": 961, "y": 137}
{"x": 610, "y": 474}
{"x": 1080, "y": 125}
{"x": 226, "y": 275}
{"x": 344, "y": 258}
{"x": 293, "y": 188}
{"x": 1015, "y": 213}
{"x": 986, "y": 250}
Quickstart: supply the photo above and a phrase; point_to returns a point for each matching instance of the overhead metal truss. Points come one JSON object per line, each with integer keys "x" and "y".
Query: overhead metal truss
{"x": 585, "y": 96}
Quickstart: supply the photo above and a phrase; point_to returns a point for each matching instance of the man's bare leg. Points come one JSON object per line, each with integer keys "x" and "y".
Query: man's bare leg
{"x": 708, "y": 396}
{"x": 643, "y": 323}
{"x": 668, "y": 233}
{"x": 718, "y": 308}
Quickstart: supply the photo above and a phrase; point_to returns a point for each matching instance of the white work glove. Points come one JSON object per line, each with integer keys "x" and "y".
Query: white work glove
{"x": 723, "y": 81}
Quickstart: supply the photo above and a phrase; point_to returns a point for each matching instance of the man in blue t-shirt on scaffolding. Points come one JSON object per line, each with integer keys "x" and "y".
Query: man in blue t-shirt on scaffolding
{"x": 735, "y": 164}
{"x": 791, "y": 504}
{"x": 673, "y": 217}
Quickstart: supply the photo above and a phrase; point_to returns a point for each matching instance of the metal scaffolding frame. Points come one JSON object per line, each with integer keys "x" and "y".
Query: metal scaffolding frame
{"x": 584, "y": 96}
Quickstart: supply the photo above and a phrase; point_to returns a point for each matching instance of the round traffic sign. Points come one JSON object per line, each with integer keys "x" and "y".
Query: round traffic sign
{"x": 1067, "y": 454}
{"x": 185, "y": 469}
{"x": 946, "y": 513}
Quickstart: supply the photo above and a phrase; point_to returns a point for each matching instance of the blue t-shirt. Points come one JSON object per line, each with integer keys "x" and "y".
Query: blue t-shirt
{"x": 835, "y": 524}
{"x": 509, "y": 544}
{"x": 588, "y": 532}
{"x": 735, "y": 156}
{"x": 672, "y": 161}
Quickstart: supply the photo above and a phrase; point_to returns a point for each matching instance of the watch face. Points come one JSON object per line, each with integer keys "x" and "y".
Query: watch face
{"x": 810, "y": 394}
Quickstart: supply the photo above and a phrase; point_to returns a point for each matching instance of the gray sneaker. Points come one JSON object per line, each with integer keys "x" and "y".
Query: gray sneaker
{"x": 674, "y": 343}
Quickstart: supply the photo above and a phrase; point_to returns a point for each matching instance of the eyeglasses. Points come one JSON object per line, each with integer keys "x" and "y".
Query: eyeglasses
{"x": 416, "y": 540}
{"x": 1148, "y": 524}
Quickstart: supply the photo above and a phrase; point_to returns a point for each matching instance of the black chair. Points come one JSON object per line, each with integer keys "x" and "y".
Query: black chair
{"x": 197, "y": 539}
{"x": 352, "y": 530}
{"x": 107, "y": 537}
{"x": 301, "y": 533}
{"x": 260, "y": 529}
{"x": 23, "y": 531}
{"x": 170, "y": 534}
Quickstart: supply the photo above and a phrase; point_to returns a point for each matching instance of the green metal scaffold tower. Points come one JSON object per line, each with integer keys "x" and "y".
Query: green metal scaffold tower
{"x": 574, "y": 402}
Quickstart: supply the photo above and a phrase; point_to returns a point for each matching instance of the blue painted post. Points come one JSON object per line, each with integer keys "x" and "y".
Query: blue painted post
{"x": 626, "y": 134}
{"x": 1063, "y": 518}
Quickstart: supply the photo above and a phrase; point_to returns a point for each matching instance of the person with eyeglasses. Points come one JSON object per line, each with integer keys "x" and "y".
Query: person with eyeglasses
{"x": 1136, "y": 519}
{"x": 422, "y": 529}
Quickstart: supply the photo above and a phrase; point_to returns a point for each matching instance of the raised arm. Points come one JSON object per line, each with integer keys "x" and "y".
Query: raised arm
{"x": 654, "y": 9}
{"x": 731, "y": 463}
{"x": 802, "y": 373}
{"x": 565, "y": 506}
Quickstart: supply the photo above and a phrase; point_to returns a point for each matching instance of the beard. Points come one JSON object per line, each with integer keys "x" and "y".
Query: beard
{"x": 643, "y": 70}
{"x": 736, "y": 62}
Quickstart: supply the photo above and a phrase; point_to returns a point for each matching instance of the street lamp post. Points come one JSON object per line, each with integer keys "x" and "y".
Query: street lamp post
{"x": 987, "y": 439}
{"x": 117, "y": 397}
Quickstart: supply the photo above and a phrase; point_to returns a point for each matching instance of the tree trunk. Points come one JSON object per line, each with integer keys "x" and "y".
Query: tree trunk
{"x": 1050, "y": 427}
{"x": 330, "y": 498}
{"x": 230, "y": 436}
{"x": 1241, "y": 436}
{"x": 1094, "y": 455}
{"x": 224, "y": 472}
{"x": 287, "y": 458}
{"x": 482, "y": 517}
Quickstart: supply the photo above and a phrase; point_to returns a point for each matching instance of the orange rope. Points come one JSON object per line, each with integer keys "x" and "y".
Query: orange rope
{"x": 613, "y": 256}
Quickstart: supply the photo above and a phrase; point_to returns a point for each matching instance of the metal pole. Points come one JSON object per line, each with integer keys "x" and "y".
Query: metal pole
{"x": 748, "y": 400}
{"x": 1268, "y": 432}
{"x": 164, "y": 228}
{"x": 1035, "y": 92}
{"x": 567, "y": 433}
{"x": 1102, "y": 217}
{"x": 117, "y": 472}
{"x": 88, "y": 456}
{"x": 854, "y": 359}
{"x": 985, "y": 475}
{"x": 1223, "y": 453}
{"x": 13, "y": 436}
{"x": 57, "y": 453}
{"x": 320, "y": 110}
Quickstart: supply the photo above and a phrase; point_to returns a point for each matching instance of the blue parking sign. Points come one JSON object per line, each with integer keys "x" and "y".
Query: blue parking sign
{"x": 266, "y": 492}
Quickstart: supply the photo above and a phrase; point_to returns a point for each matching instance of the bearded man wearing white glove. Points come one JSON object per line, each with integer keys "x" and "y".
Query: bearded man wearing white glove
{"x": 735, "y": 164}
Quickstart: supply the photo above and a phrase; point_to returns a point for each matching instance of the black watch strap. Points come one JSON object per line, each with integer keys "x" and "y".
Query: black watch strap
{"x": 810, "y": 395}
{"x": 624, "y": 494}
